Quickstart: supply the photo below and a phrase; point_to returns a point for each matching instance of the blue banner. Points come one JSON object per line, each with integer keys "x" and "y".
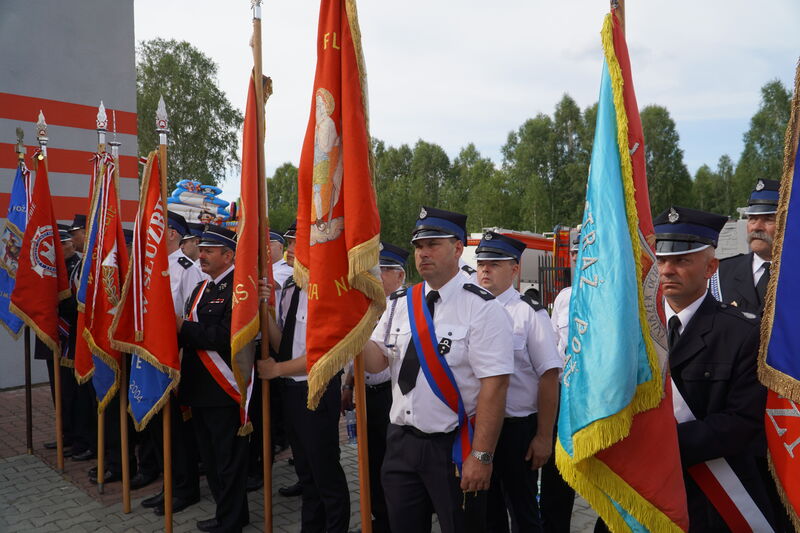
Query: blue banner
{"x": 784, "y": 342}
{"x": 146, "y": 389}
{"x": 103, "y": 378}
{"x": 606, "y": 352}
{"x": 10, "y": 246}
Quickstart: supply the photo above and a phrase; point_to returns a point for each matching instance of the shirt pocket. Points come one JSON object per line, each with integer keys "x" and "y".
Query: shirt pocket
{"x": 399, "y": 335}
{"x": 452, "y": 343}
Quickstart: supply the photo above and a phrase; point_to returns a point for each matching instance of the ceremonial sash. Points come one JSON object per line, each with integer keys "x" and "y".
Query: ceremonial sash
{"x": 219, "y": 369}
{"x": 721, "y": 485}
{"x": 436, "y": 370}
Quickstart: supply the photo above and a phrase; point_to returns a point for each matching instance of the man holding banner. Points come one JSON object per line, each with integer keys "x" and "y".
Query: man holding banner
{"x": 450, "y": 354}
{"x": 717, "y": 399}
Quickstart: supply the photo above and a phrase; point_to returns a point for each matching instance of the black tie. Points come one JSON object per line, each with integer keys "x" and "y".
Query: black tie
{"x": 673, "y": 334}
{"x": 761, "y": 286}
{"x": 287, "y": 337}
{"x": 407, "y": 379}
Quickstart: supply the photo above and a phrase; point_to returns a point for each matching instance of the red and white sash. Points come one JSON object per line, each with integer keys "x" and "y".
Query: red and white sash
{"x": 219, "y": 369}
{"x": 721, "y": 485}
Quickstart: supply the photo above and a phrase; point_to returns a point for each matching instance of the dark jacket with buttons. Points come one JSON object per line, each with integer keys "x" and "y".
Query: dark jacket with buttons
{"x": 713, "y": 365}
{"x": 737, "y": 285}
{"x": 212, "y": 331}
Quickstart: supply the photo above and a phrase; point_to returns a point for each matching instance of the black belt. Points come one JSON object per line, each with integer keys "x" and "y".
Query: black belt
{"x": 421, "y": 434}
{"x": 379, "y": 386}
{"x": 518, "y": 419}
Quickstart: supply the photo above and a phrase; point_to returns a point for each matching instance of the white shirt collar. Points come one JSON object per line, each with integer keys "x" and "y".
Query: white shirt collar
{"x": 758, "y": 262}
{"x": 508, "y": 295}
{"x": 449, "y": 289}
{"x": 684, "y": 316}
{"x": 222, "y": 276}
{"x": 176, "y": 253}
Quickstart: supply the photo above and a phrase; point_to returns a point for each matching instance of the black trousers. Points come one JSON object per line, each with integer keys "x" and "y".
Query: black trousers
{"x": 419, "y": 478}
{"x": 379, "y": 402}
{"x": 556, "y": 499}
{"x": 185, "y": 475}
{"x": 224, "y": 455}
{"x": 514, "y": 484}
{"x": 314, "y": 438}
{"x": 78, "y": 410}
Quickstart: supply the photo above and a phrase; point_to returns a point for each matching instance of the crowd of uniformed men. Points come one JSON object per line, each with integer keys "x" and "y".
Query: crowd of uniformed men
{"x": 503, "y": 349}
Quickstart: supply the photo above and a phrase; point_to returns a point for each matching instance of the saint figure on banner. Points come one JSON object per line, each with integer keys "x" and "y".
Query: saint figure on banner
{"x": 328, "y": 171}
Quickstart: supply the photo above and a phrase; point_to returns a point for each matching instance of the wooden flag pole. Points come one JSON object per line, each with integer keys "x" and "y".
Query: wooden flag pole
{"x": 26, "y": 331}
{"x": 360, "y": 400}
{"x": 41, "y": 136}
{"x": 162, "y": 128}
{"x": 619, "y": 6}
{"x": 263, "y": 90}
{"x": 102, "y": 124}
{"x": 123, "y": 370}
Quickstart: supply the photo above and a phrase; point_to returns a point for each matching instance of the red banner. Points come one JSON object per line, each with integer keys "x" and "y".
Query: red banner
{"x": 782, "y": 425}
{"x": 244, "y": 313}
{"x": 142, "y": 325}
{"x": 104, "y": 285}
{"x": 42, "y": 278}
{"x": 338, "y": 227}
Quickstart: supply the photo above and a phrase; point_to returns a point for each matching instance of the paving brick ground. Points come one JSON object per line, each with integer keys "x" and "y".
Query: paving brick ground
{"x": 34, "y": 497}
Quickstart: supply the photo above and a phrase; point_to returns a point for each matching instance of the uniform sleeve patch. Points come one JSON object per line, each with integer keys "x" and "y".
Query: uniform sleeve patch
{"x": 483, "y": 293}
{"x": 185, "y": 262}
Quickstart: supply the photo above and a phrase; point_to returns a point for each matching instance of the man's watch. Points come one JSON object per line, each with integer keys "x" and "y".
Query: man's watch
{"x": 483, "y": 457}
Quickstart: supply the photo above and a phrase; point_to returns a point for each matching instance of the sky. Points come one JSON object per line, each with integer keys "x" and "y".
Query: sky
{"x": 452, "y": 73}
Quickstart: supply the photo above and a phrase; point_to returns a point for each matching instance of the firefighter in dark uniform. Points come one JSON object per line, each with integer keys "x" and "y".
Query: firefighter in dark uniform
{"x": 743, "y": 278}
{"x": 77, "y": 405}
{"x": 215, "y": 415}
{"x": 717, "y": 398}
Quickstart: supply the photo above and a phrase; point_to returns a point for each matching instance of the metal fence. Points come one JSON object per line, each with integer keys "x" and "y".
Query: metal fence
{"x": 552, "y": 278}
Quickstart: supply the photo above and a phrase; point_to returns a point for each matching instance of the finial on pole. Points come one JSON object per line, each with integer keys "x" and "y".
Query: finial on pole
{"x": 162, "y": 122}
{"x": 256, "y": 5}
{"x": 102, "y": 124}
{"x": 115, "y": 144}
{"x": 20, "y": 148}
{"x": 41, "y": 134}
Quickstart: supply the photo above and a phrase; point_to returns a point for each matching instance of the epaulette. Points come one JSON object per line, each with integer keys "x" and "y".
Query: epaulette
{"x": 289, "y": 283}
{"x": 530, "y": 301}
{"x": 468, "y": 269}
{"x": 185, "y": 262}
{"x": 399, "y": 293}
{"x": 483, "y": 293}
{"x": 733, "y": 310}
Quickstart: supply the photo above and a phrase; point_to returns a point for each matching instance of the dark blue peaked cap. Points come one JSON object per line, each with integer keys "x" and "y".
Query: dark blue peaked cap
{"x": 276, "y": 236}
{"x": 177, "y": 222}
{"x": 196, "y": 229}
{"x": 218, "y": 236}
{"x": 764, "y": 198}
{"x": 435, "y": 223}
{"x": 497, "y": 247}
{"x": 291, "y": 231}
{"x": 392, "y": 256}
{"x": 680, "y": 230}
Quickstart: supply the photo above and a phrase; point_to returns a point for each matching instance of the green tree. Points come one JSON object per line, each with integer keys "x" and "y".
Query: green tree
{"x": 668, "y": 179}
{"x": 762, "y": 156}
{"x": 204, "y": 126}
{"x": 282, "y": 190}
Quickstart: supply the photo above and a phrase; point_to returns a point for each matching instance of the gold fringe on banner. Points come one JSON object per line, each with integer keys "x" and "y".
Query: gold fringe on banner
{"x": 786, "y": 386}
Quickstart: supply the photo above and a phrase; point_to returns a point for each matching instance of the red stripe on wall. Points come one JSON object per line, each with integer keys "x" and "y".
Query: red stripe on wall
{"x": 67, "y": 161}
{"x": 67, "y": 206}
{"x": 26, "y": 108}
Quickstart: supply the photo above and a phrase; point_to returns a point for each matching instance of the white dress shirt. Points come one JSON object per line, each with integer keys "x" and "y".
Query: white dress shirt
{"x": 685, "y": 315}
{"x": 280, "y": 273}
{"x": 184, "y": 275}
{"x": 560, "y": 319}
{"x": 301, "y": 319}
{"x": 758, "y": 268}
{"x": 534, "y": 353}
{"x": 480, "y": 334}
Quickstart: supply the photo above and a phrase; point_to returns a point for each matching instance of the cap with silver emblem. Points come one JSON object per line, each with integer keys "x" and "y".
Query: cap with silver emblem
{"x": 392, "y": 256}
{"x": 680, "y": 230}
{"x": 764, "y": 198}
{"x": 435, "y": 223}
{"x": 499, "y": 247}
